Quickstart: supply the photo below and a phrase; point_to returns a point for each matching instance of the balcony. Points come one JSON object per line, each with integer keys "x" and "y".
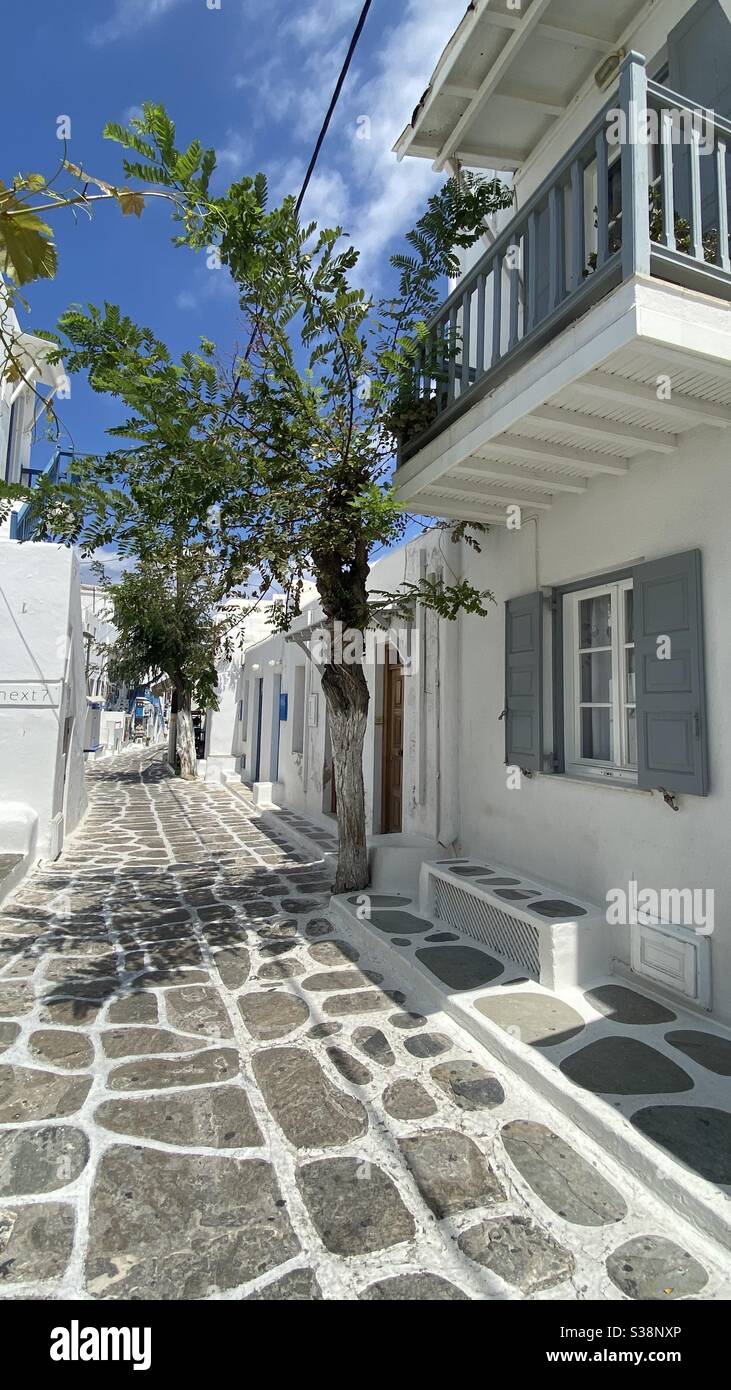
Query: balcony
{"x": 23, "y": 524}
{"x": 540, "y": 370}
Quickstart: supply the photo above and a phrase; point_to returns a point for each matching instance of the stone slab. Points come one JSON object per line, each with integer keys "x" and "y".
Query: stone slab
{"x": 40, "y": 1160}
{"x": 144, "y": 1042}
{"x": 199, "y": 1009}
{"x": 468, "y": 1085}
{"x": 349, "y": 1066}
{"x": 565, "y": 1181}
{"x": 402, "y": 923}
{"x": 177, "y": 1226}
{"x": 299, "y": 1286}
{"x": 699, "y": 1136}
{"x": 271, "y": 1015}
{"x": 624, "y": 1067}
{"x": 412, "y": 1288}
{"x": 233, "y": 965}
{"x": 521, "y": 1254}
{"x": 36, "y": 1241}
{"x": 354, "y": 1206}
{"x": 406, "y": 1099}
{"x": 153, "y": 1073}
{"x": 460, "y": 967}
{"x": 215, "y": 1118}
{"x": 374, "y": 1044}
{"x": 708, "y": 1050}
{"x": 134, "y": 1008}
{"x": 623, "y": 1005}
{"x": 30, "y": 1094}
{"x": 538, "y": 1020}
{"x": 450, "y": 1171}
{"x": 655, "y": 1270}
{"x": 310, "y": 1109}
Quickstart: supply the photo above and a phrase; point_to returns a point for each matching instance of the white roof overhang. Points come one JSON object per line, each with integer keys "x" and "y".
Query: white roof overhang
{"x": 585, "y": 406}
{"x": 509, "y": 73}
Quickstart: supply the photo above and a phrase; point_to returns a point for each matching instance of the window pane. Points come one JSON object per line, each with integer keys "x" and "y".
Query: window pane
{"x": 629, "y": 616}
{"x": 631, "y": 737}
{"x": 596, "y": 734}
{"x": 630, "y": 676}
{"x": 595, "y": 621}
{"x": 596, "y": 678}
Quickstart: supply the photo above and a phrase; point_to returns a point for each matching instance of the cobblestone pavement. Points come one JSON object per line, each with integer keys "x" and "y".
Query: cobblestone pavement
{"x": 205, "y": 1094}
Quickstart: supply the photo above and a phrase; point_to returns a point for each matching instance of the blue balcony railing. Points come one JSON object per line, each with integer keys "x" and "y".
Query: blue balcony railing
{"x": 23, "y": 524}
{"x": 643, "y": 191}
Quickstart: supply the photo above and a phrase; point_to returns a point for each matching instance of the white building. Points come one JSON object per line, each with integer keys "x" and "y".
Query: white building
{"x": 222, "y": 741}
{"x": 42, "y": 683}
{"x": 580, "y": 732}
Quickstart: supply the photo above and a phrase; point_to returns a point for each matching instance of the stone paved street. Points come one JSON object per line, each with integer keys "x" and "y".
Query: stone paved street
{"x": 205, "y": 1092}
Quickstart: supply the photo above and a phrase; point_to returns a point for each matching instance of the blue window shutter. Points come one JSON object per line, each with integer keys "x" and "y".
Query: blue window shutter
{"x": 672, "y": 750}
{"x": 524, "y": 682}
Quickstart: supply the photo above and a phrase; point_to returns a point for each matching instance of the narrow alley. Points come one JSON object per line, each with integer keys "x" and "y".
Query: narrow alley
{"x": 205, "y": 1094}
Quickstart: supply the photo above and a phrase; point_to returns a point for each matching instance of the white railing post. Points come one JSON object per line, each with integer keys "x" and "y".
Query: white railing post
{"x": 635, "y": 167}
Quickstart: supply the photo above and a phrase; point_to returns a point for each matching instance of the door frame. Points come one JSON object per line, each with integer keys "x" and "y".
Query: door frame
{"x": 389, "y": 666}
{"x": 257, "y": 725}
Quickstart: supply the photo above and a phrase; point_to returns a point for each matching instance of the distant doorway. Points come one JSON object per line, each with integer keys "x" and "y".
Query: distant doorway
{"x": 259, "y": 696}
{"x": 393, "y": 746}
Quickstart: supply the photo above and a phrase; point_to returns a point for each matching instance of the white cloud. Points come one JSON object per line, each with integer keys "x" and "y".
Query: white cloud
{"x": 321, "y": 18}
{"x": 127, "y": 18}
{"x": 383, "y": 197}
{"x": 206, "y": 284}
{"x": 235, "y": 154}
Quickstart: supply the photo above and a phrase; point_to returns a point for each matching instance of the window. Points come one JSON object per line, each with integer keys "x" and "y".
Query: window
{"x": 628, "y": 678}
{"x": 298, "y": 710}
{"x": 599, "y": 682}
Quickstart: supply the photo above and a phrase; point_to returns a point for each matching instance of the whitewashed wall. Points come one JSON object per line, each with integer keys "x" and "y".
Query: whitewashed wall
{"x": 430, "y": 800}
{"x": 41, "y": 641}
{"x": 586, "y": 836}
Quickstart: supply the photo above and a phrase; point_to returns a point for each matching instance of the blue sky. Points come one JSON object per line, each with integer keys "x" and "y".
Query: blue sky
{"x": 252, "y": 78}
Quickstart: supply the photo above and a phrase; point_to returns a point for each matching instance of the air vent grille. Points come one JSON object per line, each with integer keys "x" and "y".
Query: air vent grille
{"x": 510, "y": 936}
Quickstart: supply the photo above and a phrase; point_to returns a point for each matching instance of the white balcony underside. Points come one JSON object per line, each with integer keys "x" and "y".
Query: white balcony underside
{"x": 584, "y": 406}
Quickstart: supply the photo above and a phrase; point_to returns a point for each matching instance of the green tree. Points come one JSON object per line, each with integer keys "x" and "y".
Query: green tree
{"x": 28, "y": 250}
{"x": 170, "y": 496}
{"x": 173, "y": 621}
{"x": 325, "y": 385}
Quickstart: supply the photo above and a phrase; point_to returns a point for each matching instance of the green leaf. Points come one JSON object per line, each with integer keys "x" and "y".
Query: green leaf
{"x": 27, "y": 251}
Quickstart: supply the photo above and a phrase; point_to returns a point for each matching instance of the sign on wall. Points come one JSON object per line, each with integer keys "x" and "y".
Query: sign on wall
{"x": 30, "y": 694}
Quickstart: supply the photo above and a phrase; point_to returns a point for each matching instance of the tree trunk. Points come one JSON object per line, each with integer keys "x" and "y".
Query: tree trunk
{"x": 346, "y": 693}
{"x": 187, "y": 758}
{"x": 173, "y": 728}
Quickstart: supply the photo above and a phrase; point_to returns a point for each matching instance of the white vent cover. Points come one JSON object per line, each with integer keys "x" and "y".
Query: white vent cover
{"x": 675, "y": 957}
{"x": 476, "y": 917}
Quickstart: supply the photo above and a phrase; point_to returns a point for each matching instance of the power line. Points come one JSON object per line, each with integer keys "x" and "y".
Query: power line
{"x": 334, "y": 102}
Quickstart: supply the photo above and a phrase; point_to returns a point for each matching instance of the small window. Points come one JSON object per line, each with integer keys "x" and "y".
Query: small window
{"x": 298, "y": 710}
{"x": 599, "y": 677}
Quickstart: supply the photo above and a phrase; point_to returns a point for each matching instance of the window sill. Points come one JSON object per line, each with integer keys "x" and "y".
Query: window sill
{"x": 610, "y": 783}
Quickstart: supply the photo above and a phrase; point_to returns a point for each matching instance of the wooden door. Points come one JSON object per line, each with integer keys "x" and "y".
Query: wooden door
{"x": 393, "y": 748}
